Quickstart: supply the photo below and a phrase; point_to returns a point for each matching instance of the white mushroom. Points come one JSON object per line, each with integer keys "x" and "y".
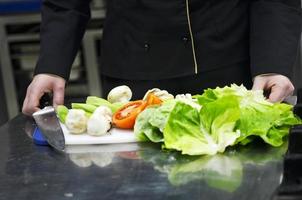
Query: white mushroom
{"x": 120, "y": 94}
{"x": 105, "y": 111}
{"x": 76, "y": 121}
{"x": 100, "y": 121}
{"x": 162, "y": 94}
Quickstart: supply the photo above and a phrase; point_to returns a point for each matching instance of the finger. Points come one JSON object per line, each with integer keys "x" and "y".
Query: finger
{"x": 33, "y": 102}
{"x": 25, "y": 107}
{"x": 58, "y": 94}
{"x": 277, "y": 94}
{"x": 290, "y": 89}
{"x": 259, "y": 84}
{"x": 28, "y": 110}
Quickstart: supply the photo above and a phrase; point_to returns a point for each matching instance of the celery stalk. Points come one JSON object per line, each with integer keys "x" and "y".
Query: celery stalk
{"x": 97, "y": 101}
{"x": 86, "y": 107}
{"x": 62, "y": 111}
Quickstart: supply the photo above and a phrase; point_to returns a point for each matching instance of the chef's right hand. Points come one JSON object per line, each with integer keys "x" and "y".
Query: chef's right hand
{"x": 41, "y": 84}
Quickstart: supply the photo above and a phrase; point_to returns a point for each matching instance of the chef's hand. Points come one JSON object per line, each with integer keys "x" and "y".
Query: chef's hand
{"x": 41, "y": 84}
{"x": 279, "y": 86}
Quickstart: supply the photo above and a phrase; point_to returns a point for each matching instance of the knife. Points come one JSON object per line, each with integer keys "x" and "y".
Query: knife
{"x": 49, "y": 125}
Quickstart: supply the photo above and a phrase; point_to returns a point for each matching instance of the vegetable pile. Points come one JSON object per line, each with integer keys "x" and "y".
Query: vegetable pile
{"x": 221, "y": 117}
{"x": 96, "y": 116}
{"x": 194, "y": 125}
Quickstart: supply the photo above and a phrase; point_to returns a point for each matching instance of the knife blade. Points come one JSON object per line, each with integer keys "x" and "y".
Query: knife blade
{"x": 48, "y": 122}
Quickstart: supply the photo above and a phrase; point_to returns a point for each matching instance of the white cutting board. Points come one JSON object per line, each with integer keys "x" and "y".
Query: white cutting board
{"x": 114, "y": 136}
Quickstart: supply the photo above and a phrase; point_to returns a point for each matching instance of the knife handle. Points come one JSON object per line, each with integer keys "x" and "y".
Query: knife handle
{"x": 46, "y": 100}
{"x": 38, "y": 138}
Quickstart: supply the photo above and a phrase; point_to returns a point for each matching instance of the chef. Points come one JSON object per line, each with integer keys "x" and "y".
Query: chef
{"x": 182, "y": 46}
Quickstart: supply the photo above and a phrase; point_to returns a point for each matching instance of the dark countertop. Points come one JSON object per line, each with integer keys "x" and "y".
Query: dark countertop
{"x": 131, "y": 171}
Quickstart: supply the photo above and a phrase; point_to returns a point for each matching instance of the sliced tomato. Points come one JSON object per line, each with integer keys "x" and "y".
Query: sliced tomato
{"x": 126, "y": 115}
{"x": 152, "y": 99}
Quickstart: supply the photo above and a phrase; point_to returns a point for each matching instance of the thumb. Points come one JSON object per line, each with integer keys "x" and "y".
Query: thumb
{"x": 58, "y": 94}
{"x": 259, "y": 84}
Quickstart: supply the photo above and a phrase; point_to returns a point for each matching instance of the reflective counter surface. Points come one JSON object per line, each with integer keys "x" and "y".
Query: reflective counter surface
{"x": 131, "y": 171}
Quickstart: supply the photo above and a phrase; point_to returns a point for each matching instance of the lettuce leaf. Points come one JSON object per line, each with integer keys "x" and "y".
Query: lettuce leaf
{"x": 206, "y": 132}
{"x": 258, "y": 117}
{"x": 272, "y": 124}
{"x": 150, "y": 123}
{"x": 182, "y": 131}
{"x": 228, "y": 116}
{"x": 144, "y": 130}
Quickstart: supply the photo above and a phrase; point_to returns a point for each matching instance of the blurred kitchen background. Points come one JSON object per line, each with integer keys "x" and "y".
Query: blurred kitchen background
{"x": 19, "y": 48}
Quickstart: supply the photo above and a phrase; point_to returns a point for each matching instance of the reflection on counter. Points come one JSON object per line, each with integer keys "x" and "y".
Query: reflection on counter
{"x": 100, "y": 155}
{"x": 87, "y": 159}
{"x": 137, "y": 171}
{"x": 222, "y": 171}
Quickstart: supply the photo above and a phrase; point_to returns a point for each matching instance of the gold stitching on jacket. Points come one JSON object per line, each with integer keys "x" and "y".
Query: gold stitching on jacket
{"x": 192, "y": 38}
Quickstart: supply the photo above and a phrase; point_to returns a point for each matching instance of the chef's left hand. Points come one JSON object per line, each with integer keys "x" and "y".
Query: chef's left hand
{"x": 279, "y": 86}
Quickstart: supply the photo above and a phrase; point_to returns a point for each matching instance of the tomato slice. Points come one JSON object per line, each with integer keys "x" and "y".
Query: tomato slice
{"x": 126, "y": 115}
{"x": 152, "y": 99}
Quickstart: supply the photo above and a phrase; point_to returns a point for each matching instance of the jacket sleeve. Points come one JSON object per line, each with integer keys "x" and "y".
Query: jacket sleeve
{"x": 62, "y": 29}
{"x": 275, "y": 29}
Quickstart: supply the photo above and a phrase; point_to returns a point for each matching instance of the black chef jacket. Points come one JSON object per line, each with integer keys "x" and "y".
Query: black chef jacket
{"x": 160, "y": 39}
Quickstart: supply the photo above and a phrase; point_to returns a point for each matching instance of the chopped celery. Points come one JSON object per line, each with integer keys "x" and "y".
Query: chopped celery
{"x": 86, "y": 107}
{"x": 97, "y": 101}
{"x": 62, "y": 111}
